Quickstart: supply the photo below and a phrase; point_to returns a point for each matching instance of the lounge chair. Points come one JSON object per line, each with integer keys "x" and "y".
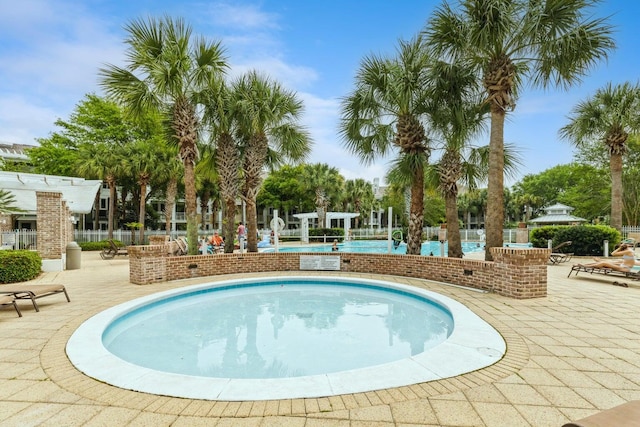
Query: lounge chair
{"x": 33, "y": 292}
{"x": 557, "y": 257}
{"x": 7, "y": 300}
{"x": 625, "y": 415}
{"x": 113, "y": 250}
{"x": 605, "y": 271}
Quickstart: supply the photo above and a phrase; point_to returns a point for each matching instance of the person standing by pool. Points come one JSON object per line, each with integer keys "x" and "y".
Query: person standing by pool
{"x": 334, "y": 248}
{"x": 241, "y": 236}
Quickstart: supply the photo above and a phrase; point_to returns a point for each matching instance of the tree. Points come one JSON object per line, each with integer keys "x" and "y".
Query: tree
{"x": 610, "y": 116}
{"x": 326, "y": 183}
{"x": 359, "y": 197}
{"x": 386, "y": 112}
{"x": 548, "y": 43}
{"x": 7, "y": 203}
{"x": 268, "y": 124}
{"x": 457, "y": 115}
{"x": 283, "y": 189}
{"x": 168, "y": 70}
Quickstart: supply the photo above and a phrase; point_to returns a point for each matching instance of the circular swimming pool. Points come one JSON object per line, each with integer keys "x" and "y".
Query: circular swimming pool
{"x": 283, "y": 337}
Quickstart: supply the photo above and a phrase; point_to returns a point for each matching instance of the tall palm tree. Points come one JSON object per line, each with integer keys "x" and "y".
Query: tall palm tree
{"x": 326, "y": 183}
{"x": 457, "y": 116}
{"x": 103, "y": 161}
{"x": 610, "y": 116}
{"x": 169, "y": 171}
{"x": 268, "y": 123}
{"x": 358, "y": 196}
{"x": 386, "y": 112}
{"x": 548, "y": 43}
{"x": 168, "y": 69}
{"x": 141, "y": 162}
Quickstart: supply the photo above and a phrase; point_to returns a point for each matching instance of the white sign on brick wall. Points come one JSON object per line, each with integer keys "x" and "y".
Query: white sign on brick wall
{"x": 317, "y": 262}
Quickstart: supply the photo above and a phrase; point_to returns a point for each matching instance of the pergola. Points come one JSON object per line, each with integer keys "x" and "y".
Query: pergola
{"x": 330, "y": 216}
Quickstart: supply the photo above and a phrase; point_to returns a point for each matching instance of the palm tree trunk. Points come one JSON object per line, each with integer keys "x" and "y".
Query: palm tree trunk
{"x": 172, "y": 190}
{"x": 495, "y": 190}
{"x": 191, "y": 206}
{"x": 112, "y": 207}
{"x": 228, "y": 225}
{"x": 453, "y": 229}
{"x": 616, "y": 191}
{"x": 416, "y": 216}
{"x": 143, "y": 204}
{"x": 252, "y": 225}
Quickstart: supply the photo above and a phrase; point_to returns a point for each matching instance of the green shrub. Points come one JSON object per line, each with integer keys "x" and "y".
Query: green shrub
{"x": 586, "y": 240}
{"x": 98, "y": 246}
{"x": 19, "y": 266}
{"x": 339, "y": 232}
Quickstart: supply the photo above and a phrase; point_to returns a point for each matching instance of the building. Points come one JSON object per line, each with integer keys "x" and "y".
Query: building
{"x": 558, "y": 214}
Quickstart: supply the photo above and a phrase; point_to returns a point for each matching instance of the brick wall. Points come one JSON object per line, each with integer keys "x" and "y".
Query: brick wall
{"x": 517, "y": 273}
{"x": 51, "y": 230}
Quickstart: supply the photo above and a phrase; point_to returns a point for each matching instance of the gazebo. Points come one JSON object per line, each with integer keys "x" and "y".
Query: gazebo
{"x": 330, "y": 216}
{"x": 558, "y": 214}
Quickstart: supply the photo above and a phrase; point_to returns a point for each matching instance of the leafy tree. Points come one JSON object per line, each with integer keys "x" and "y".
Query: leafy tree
{"x": 386, "y": 113}
{"x": 581, "y": 186}
{"x": 548, "y": 43}
{"x": 609, "y": 116}
{"x": 169, "y": 70}
{"x": 283, "y": 189}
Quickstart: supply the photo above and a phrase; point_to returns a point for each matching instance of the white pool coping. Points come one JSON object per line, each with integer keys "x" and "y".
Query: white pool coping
{"x": 473, "y": 344}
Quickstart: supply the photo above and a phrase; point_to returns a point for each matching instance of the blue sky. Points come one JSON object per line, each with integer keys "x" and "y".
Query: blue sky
{"x": 50, "y": 52}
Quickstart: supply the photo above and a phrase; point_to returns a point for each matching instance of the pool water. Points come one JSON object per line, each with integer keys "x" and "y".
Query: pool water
{"x": 278, "y": 329}
{"x": 229, "y": 349}
{"x": 429, "y": 248}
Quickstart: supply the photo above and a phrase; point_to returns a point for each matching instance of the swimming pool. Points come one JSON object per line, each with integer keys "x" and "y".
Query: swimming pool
{"x": 429, "y": 248}
{"x": 467, "y": 343}
{"x": 379, "y": 247}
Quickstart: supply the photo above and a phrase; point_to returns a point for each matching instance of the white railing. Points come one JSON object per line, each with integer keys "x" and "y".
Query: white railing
{"x": 27, "y": 239}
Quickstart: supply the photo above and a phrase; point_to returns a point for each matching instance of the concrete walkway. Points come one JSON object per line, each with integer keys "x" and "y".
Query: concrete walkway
{"x": 569, "y": 355}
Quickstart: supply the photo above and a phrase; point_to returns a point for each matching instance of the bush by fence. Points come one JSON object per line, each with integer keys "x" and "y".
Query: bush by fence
{"x": 586, "y": 240}
{"x": 19, "y": 266}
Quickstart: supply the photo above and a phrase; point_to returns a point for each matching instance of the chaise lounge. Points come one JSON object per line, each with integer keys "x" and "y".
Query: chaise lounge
{"x": 578, "y": 268}
{"x": 625, "y": 415}
{"x": 33, "y": 292}
{"x": 7, "y": 300}
{"x": 113, "y": 250}
{"x": 557, "y": 257}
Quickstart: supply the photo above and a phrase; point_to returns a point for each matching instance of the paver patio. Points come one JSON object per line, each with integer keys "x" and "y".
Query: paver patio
{"x": 571, "y": 354}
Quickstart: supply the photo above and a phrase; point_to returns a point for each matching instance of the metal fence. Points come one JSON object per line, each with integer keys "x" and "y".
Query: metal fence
{"x": 27, "y": 239}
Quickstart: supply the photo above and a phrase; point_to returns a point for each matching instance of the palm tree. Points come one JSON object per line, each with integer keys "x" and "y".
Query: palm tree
{"x": 103, "y": 161}
{"x": 610, "y": 116}
{"x": 141, "y": 162}
{"x": 7, "y": 203}
{"x": 358, "y": 196}
{"x": 549, "y": 43}
{"x": 326, "y": 183}
{"x": 457, "y": 115}
{"x": 168, "y": 173}
{"x": 168, "y": 70}
{"x": 268, "y": 123}
{"x": 386, "y": 111}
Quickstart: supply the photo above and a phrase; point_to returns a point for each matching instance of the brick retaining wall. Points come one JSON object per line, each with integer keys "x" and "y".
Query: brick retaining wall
{"x": 516, "y": 273}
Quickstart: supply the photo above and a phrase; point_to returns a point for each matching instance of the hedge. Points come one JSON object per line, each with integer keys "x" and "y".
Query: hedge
{"x": 19, "y": 265}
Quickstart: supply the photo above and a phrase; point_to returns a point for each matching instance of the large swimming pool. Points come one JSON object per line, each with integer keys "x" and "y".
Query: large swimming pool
{"x": 429, "y": 248}
{"x": 379, "y": 247}
{"x": 283, "y": 337}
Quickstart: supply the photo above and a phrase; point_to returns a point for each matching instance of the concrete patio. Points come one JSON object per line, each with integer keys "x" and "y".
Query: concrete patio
{"x": 571, "y": 354}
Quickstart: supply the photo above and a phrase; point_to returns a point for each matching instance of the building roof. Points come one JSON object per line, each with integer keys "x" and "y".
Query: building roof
{"x": 79, "y": 193}
{"x": 558, "y": 214}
